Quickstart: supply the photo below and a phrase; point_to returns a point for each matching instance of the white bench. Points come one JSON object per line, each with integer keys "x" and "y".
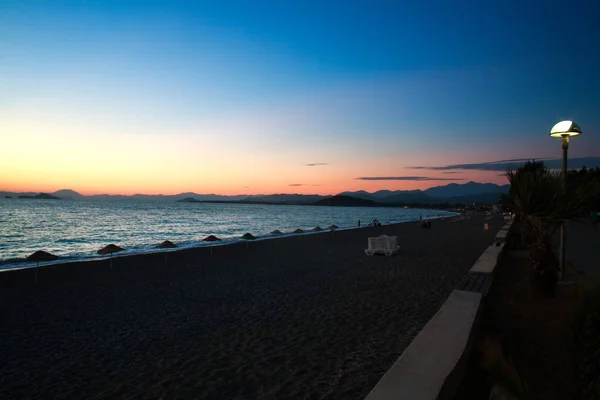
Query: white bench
{"x": 383, "y": 244}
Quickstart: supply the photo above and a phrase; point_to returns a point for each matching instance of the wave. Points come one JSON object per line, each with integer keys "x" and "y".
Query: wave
{"x": 72, "y": 241}
{"x": 21, "y": 263}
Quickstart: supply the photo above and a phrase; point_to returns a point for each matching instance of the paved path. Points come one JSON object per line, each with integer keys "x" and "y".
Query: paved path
{"x": 583, "y": 248}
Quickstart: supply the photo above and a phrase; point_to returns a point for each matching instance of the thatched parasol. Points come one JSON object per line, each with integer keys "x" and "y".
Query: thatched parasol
{"x": 298, "y": 231}
{"x": 248, "y": 236}
{"x": 110, "y": 249}
{"x": 38, "y": 256}
{"x": 167, "y": 244}
{"x": 41, "y": 255}
{"x": 211, "y": 238}
{"x": 317, "y": 229}
{"x": 333, "y": 228}
{"x": 276, "y": 232}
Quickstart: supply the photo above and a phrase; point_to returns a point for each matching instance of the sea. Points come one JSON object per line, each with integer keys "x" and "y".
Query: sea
{"x": 76, "y": 230}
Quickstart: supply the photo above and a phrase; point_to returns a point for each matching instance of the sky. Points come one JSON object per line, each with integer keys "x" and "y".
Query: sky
{"x": 248, "y": 97}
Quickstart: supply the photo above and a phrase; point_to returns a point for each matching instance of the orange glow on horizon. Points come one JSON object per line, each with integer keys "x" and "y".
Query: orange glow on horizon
{"x": 327, "y": 187}
{"x": 47, "y": 156}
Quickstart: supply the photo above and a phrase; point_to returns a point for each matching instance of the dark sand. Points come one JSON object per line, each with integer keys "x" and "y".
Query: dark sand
{"x": 308, "y": 317}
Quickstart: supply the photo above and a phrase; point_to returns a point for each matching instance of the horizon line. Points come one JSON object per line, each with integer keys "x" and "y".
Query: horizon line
{"x": 234, "y": 195}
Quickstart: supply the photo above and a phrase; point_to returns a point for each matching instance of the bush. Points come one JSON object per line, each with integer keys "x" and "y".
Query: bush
{"x": 588, "y": 343}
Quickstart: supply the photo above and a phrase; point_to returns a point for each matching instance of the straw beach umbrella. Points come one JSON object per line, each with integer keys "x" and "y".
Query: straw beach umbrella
{"x": 167, "y": 244}
{"x": 248, "y": 236}
{"x": 110, "y": 249}
{"x": 38, "y": 256}
{"x": 211, "y": 238}
{"x": 333, "y": 228}
{"x": 276, "y": 232}
{"x": 298, "y": 231}
{"x": 317, "y": 229}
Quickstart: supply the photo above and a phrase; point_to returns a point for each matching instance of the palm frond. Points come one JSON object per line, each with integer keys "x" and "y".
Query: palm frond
{"x": 543, "y": 202}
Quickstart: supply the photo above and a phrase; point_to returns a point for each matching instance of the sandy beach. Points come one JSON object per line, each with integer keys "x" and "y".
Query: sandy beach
{"x": 308, "y": 317}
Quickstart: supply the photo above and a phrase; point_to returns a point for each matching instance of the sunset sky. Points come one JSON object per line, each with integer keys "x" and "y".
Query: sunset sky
{"x": 307, "y": 96}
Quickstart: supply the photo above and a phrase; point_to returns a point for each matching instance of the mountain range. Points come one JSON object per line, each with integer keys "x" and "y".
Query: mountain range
{"x": 467, "y": 193}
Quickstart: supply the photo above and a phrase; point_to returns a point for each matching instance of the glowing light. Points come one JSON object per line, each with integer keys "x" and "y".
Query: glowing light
{"x": 565, "y": 128}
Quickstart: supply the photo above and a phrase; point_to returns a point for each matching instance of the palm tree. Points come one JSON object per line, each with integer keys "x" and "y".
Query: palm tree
{"x": 543, "y": 205}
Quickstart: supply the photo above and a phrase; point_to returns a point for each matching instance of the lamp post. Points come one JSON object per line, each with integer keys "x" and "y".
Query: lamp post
{"x": 564, "y": 130}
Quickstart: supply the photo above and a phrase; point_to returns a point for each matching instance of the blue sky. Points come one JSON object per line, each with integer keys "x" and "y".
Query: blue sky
{"x": 369, "y": 86}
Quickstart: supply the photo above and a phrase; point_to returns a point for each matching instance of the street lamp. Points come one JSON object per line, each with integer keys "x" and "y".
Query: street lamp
{"x": 564, "y": 130}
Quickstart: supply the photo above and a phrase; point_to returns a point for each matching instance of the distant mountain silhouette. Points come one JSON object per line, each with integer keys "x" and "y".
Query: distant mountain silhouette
{"x": 465, "y": 189}
{"x": 17, "y": 194}
{"x": 41, "y": 196}
{"x": 68, "y": 194}
{"x": 470, "y": 192}
{"x": 286, "y": 198}
{"x": 411, "y": 196}
{"x": 485, "y": 198}
{"x": 346, "y": 201}
{"x": 46, "y": 196}
{"x": 467, "y": 193}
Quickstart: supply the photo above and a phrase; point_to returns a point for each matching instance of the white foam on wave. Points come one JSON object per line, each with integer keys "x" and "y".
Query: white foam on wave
{"x": 151, "y": 249}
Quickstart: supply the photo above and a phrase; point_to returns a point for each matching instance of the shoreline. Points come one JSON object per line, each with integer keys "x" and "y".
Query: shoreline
{"x": 22, "y": 263}
{"x": 309, "y": 316}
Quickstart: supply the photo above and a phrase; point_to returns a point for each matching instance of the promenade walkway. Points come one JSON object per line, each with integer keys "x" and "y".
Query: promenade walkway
{"x": 583, "y": 248}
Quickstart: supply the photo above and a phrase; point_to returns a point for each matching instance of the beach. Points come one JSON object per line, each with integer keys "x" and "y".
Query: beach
{"x": 307, "y": 317}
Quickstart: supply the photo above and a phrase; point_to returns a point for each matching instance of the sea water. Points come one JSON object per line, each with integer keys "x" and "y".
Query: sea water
{"x": 78, "y": 229}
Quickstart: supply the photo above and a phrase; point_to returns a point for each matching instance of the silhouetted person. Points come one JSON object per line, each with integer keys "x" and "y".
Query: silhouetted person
{"x": 359, "y": 223}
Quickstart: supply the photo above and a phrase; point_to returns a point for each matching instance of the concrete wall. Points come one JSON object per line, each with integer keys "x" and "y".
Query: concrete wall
{"x": 433, "y": 365}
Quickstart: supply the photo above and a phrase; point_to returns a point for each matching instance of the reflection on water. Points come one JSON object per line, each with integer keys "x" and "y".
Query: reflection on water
{"x": 80, "y": 228}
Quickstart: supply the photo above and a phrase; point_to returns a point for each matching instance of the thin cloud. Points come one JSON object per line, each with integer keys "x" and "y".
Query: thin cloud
{"x": 301, "y": 184}
{"x": 316, "y": 164}
{"x": 450, "y": 172}
{"x": 405, "y": 178}
{"x": 503, "y": 165}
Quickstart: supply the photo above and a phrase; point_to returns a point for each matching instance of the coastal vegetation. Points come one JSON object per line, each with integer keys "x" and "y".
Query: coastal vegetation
{"x": 543, "y": 204}
{"x": 539, "y": 340}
